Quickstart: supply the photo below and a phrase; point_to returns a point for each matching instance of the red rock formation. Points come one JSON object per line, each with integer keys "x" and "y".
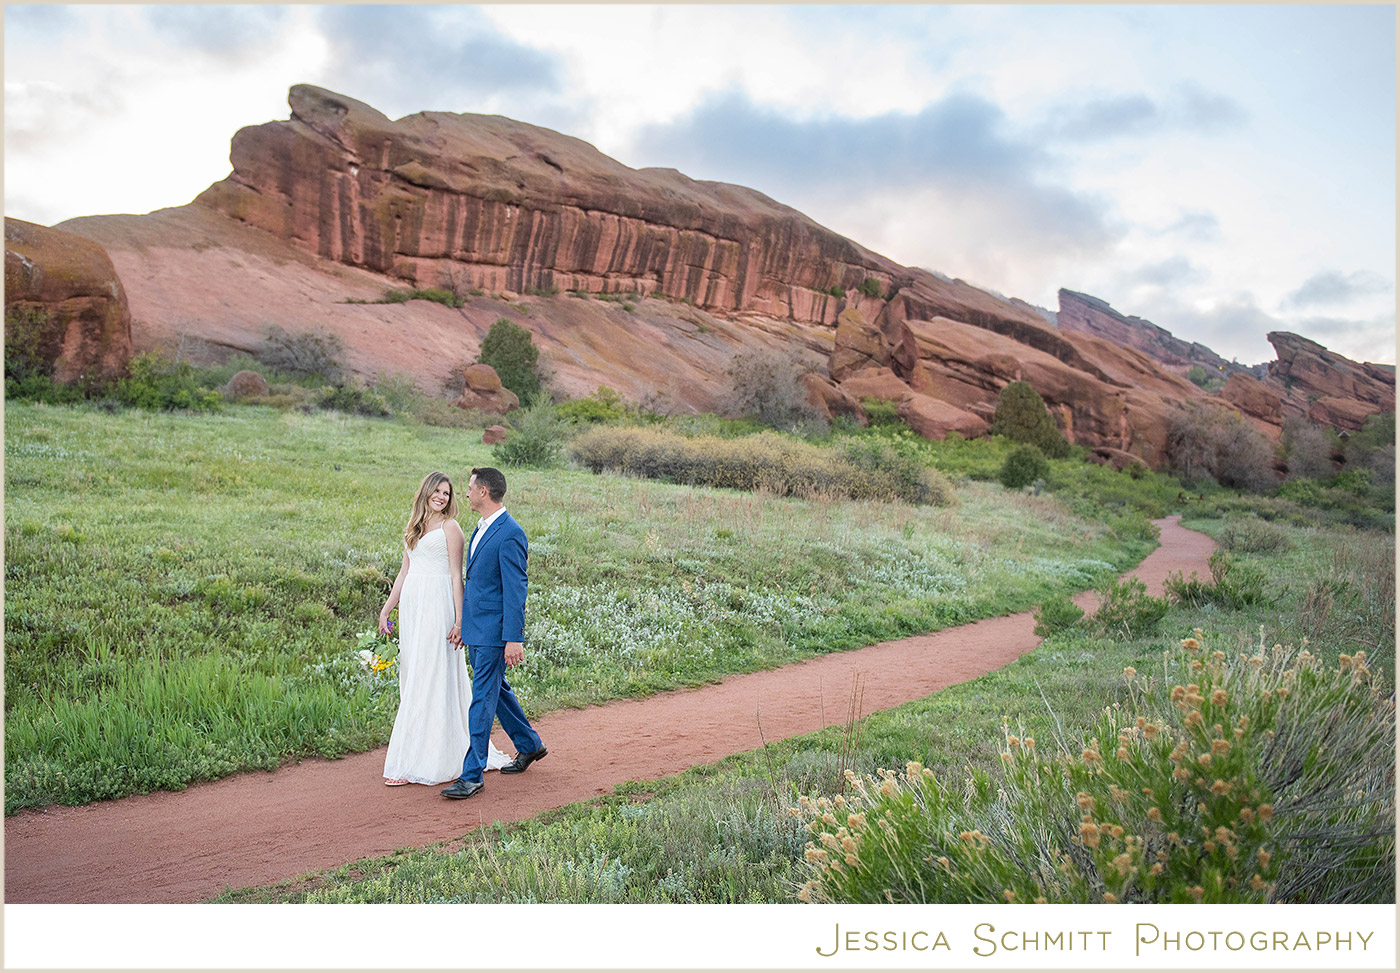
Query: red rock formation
{"x": 67, "y": 287}
{"x": 1327, "y": 388}
{"x": 1088, "y": 315}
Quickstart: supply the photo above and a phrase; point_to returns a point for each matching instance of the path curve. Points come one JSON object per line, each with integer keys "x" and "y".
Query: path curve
{"x": 262, "y": 827}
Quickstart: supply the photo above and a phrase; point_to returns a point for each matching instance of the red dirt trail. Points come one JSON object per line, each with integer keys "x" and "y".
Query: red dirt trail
{"x": 258, "y": 828}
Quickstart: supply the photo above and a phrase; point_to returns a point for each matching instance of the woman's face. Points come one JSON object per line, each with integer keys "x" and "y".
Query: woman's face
{"x": 440, "y": 497}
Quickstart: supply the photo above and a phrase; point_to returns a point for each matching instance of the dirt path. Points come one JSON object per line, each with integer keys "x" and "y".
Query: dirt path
{"x": 258, "y": 828}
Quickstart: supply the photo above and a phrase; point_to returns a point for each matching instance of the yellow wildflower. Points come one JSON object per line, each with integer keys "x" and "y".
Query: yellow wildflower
{"x": 1194, "y": 718}
{"x": 1150, "y": 731}
{"x": 1110, "y": 898}
{"x": 1191, "y": 645}
{"x": 1203, "y": 760}
{"x": 1154, "y": 814}
{"x": 1219, "y": 698}
{"x": 1197, "y": 892}
{"x": 1220, "y": 747}
{"x": 1085, "y": 800}
{"x": 1266, "y": 811}
{"x": 1264, "y": 857}
{"x": 1178, "y": 693}
{"x": 1156, "y": 869}
{"x": 1030, "y": 742}
{"x": 1181, "y": 774}
{"x": 856, "y": 821}
{"x": 1257, "y": 883}
{"x": 1122, "y": 753}
{"x": 1008, "y": 895}
{"x": 1130, "y": 672}
{"x": 1089, "y": 834}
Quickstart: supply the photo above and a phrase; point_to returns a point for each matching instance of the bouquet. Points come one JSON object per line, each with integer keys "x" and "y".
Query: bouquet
{"x": 378, "y": 652}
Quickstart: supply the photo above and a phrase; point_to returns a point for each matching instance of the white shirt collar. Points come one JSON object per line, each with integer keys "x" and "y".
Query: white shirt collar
{"x": 486, "y": 522}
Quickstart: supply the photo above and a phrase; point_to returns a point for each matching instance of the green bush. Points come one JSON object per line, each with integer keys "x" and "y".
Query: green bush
{"x": 510, "y": 350}
{"x": 881, "y": 412}
{"x": 870, "y": 287}
{"x": 1022, "y": 417}
{"x": 536, "y": 438}
{"x": 155, "y": 382}
{"x": 353, "y": 400}
{"x": 1204, "y": 442}
{"x": 769, "y": 461}
{"x": 1233, "y": 584}
{"x": 604, "y": 405}
{"x": 1258, "y": 778}
{"x": 1057, "y": 615}
{"x": 1024, "y": 466}
{"x": 1128, "y": 611}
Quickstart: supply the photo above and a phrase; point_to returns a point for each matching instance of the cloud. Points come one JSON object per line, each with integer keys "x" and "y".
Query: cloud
{"x": 957, "y": 148}
{"x": 1332, "y": 288}
{"x": 416, "y": 58}
{"x": 40, "y": 114}
{"x": 1195, "y": 225}
{"x": 1104, "y": 118}
{"x": 1188, "y": 108}
{"x": 1174, "y": 271}
{"x": 227, "y": 32}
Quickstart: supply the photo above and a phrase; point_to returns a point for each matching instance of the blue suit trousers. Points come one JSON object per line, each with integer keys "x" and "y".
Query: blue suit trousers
{"x": 492, "y": 699}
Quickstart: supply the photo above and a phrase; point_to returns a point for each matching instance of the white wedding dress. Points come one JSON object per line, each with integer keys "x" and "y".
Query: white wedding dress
{"x": 430, "y": 737}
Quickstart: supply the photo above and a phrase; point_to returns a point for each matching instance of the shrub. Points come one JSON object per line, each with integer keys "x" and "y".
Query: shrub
{"x": 1128, "y": 611}
{"x": 870, "y": 287}
{"x": 1251, "y": 535}
{"x": 604, "y": 405}
{"x": 1204, "y": 442}
{"x": 155, "y": 382}
{"x": 1261, "y": 778}
{"x": 1021, "y": 416}
{"x": 510, "y": 350}
{"x": 24, "y": 331}
{"x": 780, "y": 464}
{"x": 352, "y": 399}
{"x": 1024, "y": 466}
{"x": 1308, "y": 449}
{"x": 536, "y": 439}
{"x": 767, "y": 384}
{"x": 399, "y": 391}
{"x": 1373, "y": 448}
{"x": 304, "y": 355}
{"x": 1057, "y": 615}
{"x": 881, "y": 412}
{"x": 1233, "y": 585}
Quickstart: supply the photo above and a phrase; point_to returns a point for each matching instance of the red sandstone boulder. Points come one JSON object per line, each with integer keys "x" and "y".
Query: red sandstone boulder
{"x": 483, "y": 391}
{"x": 62, "y": 290}
{"x": 934, "y": 419}
{"x": 829, "y": 399}
{"x": 245, "y": 384}
{"x": 494, "y": 435}
{"x": 1253, "y": 398}
{"x": 876, "y": 383}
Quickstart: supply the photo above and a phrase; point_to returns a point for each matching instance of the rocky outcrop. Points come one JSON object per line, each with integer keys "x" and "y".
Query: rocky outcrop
{"x": 1090, "y": 315}
{"x": 1325, "y": 387}
{"x": 63, "y": 294}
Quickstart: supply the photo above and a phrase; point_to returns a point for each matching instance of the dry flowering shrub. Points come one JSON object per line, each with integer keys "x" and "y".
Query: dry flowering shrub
{"x": 1256, "y": 778}
{"x": 768, "y": 461}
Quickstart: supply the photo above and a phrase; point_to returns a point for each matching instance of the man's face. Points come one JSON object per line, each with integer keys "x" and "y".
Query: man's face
{"x": 476, "y": 493}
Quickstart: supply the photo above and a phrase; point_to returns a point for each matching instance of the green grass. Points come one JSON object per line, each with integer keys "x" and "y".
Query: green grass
{"x": 722, "y": 833}
{"x": 183, "y": 591}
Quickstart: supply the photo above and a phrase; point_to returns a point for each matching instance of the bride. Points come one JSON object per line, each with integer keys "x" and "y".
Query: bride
{"x": 430, "y": 735}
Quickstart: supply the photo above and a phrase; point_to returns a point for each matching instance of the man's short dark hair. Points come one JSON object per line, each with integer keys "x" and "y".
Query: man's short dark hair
{"x": 494, "y": 481}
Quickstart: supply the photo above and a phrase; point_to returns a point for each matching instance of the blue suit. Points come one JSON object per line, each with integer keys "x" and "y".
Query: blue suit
{"x": 493, "y": 613}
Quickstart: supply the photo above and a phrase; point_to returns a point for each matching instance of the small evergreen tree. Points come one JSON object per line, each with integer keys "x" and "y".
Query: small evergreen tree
{"x": 511, "y": 351}
{"x": 1024, "y": 466}
{"x": 1021, "y": 416}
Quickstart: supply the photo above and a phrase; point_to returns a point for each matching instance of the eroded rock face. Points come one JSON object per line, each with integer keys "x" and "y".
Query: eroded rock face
{"x": 483, "y": 201}
{"x": 1324, "y": 386}
{"x": 64, "y": 289}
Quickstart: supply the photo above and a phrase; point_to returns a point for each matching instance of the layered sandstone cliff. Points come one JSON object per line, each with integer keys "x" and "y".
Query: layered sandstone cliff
{"x": 1090, "y": 315}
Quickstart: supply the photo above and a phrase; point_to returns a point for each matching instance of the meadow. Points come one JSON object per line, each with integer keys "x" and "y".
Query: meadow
{"x": 185, "y": 591}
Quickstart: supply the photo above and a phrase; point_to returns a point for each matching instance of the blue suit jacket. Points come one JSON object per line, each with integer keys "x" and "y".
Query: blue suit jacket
{"x": 493, "y": 598}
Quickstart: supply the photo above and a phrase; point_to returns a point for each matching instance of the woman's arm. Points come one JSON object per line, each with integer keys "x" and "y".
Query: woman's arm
{"x": 456, "y": 545}
{"x": 393, "y": 599}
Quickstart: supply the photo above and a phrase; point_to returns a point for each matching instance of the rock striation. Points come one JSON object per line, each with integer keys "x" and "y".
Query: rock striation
{"x": 1326, "y": 387}
{"x": 64, "y": 288}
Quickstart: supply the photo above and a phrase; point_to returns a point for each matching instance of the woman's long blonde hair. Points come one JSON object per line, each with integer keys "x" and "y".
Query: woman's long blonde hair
{"x": 418, "y": 521}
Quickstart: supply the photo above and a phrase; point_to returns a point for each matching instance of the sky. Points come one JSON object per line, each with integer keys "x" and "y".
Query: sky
{"x": 1221, "y": 171}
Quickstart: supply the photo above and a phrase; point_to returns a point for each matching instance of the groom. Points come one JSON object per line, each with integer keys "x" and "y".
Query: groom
{"x": 493, "y": 621}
